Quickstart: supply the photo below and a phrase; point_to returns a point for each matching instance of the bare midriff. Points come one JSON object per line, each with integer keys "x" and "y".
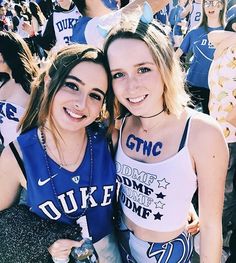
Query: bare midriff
{"x": 149, "y": 235}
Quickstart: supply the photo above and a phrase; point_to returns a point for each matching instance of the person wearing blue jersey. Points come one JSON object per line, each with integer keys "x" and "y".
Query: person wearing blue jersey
{"x": 177, "y": 22}
{"x": 69, "y": 175}
{"x": 158, "y": 170}
{"x": 104, "y": 13}
{"x": 196, "y": 42}
{"x": 163, "y": 15}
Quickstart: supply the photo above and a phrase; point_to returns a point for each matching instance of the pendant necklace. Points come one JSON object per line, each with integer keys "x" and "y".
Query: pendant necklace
{"x": 43, "y": 141}
{"x": 148, "y": 117}
{"x": 62, "y": 163}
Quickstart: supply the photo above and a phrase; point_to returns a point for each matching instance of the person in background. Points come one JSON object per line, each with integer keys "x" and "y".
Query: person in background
{"x": 25, "y": 10}
{"x": 222, "y": 106}
{"x": 38, "y": 23}
{"x": 103, "y": 13}
{"x": 17, "y": 62}
{"x": 5, "y": 23}
{"x": 58, "y": 30}
{"x": 154, "y": 164}
{"x": 196, "y": 42}
{"x": 193, "y": 13}
{"x": 18, "y": 21}
{"x": 38, "y": 20}
{"x": 177, "y": 22}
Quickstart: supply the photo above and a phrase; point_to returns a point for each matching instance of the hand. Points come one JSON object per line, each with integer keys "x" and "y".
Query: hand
{"x": 28, "y": 28}
{"x": 61, "y": 248}
{"x": 193, "y": 222}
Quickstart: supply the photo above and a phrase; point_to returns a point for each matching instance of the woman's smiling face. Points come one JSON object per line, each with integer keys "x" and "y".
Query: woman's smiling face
{"x": 79, "y": 100}
{"x": 136, "y": 79}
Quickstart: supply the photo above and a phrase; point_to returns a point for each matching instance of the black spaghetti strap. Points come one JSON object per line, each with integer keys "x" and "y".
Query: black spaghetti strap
{"x": 183, "y": 139}
{"x": 18, "y": 158}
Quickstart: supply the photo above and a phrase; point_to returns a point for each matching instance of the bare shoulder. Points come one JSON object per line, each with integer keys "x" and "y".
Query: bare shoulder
{"x": 206, "y": 136}
{"x": 9, "y": 166}
{"x": 204, "y": 126}
{"x": 7, "y": 157}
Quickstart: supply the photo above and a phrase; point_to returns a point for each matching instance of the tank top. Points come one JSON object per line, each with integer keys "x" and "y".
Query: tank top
{"x": 195, "y": 16}
{"x": 157, "y": 196}
{"x": 63, "y": 23}
{"x": 68, "y": 193}
{"x": 10, "y": 115}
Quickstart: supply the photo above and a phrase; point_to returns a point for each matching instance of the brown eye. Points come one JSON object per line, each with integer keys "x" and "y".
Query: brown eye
{"x": 95, "y": 96}
{"x": 71, "y": 85}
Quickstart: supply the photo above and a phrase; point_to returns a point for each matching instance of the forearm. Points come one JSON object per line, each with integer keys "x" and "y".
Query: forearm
{"x": 210, "y": 244}
{"x": 156, "y": 5}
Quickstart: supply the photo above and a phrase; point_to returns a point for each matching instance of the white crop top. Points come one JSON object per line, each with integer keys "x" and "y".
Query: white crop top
{"x": 157, "y": 196}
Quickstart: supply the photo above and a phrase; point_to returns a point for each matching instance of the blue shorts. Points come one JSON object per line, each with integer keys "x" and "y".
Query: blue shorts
{"x": 135, "y": 250}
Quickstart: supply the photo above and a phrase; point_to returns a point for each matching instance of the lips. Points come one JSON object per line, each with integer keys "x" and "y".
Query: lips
{"x": 211, "y": 12}
{"x": 73, "y": 114}
{"x": 137, "y": 99}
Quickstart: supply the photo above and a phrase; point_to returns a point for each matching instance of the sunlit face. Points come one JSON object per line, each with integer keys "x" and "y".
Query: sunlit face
{"x": 213, "y": 7}
{"x": 78, "y": 102}
{"x": 136, "y": 79}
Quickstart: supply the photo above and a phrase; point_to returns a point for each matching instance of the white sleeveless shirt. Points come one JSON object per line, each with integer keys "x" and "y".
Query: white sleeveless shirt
{"x": 10, "y": 114}
{"x": 156, "y": 196}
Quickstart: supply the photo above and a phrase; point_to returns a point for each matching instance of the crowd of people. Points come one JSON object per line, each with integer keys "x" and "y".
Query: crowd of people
{"x": 120, "y": 116}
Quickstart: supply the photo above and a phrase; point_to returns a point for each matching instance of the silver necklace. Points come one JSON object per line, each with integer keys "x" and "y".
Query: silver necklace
{"x": 43, "y": 141}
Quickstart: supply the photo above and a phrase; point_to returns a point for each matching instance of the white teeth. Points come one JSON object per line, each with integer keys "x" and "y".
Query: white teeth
{"x": 74, "y": 115}
{"x": 136, "y": 100}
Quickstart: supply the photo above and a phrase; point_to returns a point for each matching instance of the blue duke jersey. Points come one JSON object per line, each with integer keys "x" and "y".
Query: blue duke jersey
{"x": 71, "y": 188}
{"x": 197, "y": 43}
{"x": 10, "y": 114}
{"x": 162, "y": 15}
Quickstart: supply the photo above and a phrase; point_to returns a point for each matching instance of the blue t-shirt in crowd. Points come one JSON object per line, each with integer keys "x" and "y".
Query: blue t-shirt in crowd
{"x": 197, "y": 43}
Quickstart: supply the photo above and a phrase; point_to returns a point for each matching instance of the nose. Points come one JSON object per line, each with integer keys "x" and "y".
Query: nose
{"x": 80, "y": 102}
{"x": 132, "y": 84}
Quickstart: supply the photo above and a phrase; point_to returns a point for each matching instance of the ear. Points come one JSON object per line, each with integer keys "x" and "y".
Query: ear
{"x": 47, "y": 80}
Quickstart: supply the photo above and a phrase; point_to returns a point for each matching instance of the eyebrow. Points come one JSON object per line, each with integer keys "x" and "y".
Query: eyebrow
{"x": 136, "y": 65}
{"x": 80, "y": 81}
